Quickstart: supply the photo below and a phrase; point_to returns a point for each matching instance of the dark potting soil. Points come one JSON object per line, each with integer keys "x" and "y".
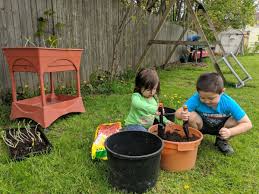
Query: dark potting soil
{"x": 178, "y": 138}
{"x": 28, "y": 147}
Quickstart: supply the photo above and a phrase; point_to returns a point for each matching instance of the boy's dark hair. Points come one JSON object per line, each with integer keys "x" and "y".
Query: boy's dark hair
{"x": 147, "y": 78}
{"x": 210, "y": 82}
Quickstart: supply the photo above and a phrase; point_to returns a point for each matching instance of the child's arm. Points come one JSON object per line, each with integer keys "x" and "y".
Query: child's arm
{"x": 140, "y": 104}
{"x": 165, "y": 120}
{"x": 242, "y": 122}
{"x": 191, "y": 103}
{"x": 178, "y": 114}
{"x": 242, "y": 126}
{"x": 182, "y": 115}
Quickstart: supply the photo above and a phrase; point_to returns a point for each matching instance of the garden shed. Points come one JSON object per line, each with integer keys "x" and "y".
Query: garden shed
{"x": 232, "y": 40}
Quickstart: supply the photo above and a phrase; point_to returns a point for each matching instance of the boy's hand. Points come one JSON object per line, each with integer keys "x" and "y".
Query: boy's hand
{"x": 185, "y": 115}
{"x": 225, "y": 133}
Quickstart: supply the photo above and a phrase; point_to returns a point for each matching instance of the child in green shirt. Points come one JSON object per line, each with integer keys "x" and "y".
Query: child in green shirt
{"x": 144, "y": 101}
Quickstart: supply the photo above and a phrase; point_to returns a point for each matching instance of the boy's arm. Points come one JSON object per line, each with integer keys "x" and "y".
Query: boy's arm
{"x": 242, "y": 126}
{"x": 191, "y": 103}
{"x": 182, "y": 114}
{"x": 242, "y": 121}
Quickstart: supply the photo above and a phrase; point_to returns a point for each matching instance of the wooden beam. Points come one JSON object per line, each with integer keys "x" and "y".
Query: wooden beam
{"x": 214, "y": 31}
{"x": 201, "y": 32}
{"x": 211, "y": 27}
{"x": 159, "y": 26}
{"x": 174, "y": 48}
{"x": 179, "y": 42}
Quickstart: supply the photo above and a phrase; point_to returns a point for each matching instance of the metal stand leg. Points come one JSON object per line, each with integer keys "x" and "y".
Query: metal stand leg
{"x": 241, "y": 82}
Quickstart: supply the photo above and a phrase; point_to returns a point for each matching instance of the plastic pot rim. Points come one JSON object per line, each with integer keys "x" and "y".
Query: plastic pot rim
{"x": 123, "y": 156}
{"x": 197, "y": 141}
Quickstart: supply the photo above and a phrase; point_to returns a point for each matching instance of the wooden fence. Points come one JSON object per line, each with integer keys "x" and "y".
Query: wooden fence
{"x": 89, "y": 24}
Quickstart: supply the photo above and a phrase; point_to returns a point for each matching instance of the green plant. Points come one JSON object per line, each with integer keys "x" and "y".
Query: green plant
{"x": 127, "y": 74}
{"x": 18, "y": 137}
{"x": 256, "y": 47}
{"x": 101, "y": 82}
{"x": 47, "y": 36}
{"x": 62, "y": 89}
{"x": 86, "y": 88}
{"x": 247, "y": 51}
{"x": 252, "y": 50}
{"x": 6, "y": 98}
{"x": 24, "y": 92}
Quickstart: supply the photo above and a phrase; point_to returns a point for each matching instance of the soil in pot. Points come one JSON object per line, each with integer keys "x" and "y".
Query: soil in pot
{"x": 175, "y": 134}
{"x": 176, "y": 137}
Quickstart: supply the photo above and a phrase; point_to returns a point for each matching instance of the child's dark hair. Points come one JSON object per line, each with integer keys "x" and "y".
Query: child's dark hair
{"x": 147, "y": 78}
{"x": 210, "y": 82}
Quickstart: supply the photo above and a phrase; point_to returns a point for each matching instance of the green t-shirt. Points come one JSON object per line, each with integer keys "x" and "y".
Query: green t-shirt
{"x": 143, "y": 111}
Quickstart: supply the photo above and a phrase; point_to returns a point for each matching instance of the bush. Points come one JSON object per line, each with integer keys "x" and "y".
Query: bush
{"x": 100, "y": 83}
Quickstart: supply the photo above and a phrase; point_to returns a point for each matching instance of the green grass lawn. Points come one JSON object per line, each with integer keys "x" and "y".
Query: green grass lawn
{"x": 69, "y": 168}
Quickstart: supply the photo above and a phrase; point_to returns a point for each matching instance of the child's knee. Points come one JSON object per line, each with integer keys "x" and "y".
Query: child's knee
{"x": 195, "y": 120}
{"x": 134, "y": 128}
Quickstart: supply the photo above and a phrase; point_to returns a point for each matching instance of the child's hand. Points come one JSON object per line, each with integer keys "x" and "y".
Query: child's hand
{"x": 185, "y": 115}
{"x": 225, "y": 133}
{"x": 158, "y": 113}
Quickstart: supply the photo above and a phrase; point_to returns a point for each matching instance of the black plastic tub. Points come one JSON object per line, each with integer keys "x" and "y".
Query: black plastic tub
{"x": 169, "y": 114}
{"x": 133, "y": 160}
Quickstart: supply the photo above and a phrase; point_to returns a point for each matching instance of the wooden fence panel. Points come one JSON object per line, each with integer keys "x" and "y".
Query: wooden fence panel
{"x": 89, "y": 24}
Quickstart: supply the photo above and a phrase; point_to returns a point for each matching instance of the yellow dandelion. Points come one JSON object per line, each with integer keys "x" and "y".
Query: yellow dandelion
{"x": 26, "y": 86}
{"x": 186, "y": 186}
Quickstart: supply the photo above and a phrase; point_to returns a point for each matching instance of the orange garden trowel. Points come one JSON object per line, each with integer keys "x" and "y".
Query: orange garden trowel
{"x": 186, "y": 124}
{"x": 161, "y": 126}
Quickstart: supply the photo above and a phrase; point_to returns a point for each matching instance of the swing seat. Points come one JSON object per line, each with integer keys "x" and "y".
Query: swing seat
{"x": 198, "y": 53}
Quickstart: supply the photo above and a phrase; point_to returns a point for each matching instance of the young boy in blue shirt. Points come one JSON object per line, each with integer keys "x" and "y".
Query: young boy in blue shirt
{"x": 213, "y": 112}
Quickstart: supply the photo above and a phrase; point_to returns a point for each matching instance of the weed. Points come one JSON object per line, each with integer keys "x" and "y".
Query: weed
{"x": 174, "y": 101}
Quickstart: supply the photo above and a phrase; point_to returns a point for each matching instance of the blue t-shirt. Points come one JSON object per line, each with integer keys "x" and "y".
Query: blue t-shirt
{"x": 226, "y": 107}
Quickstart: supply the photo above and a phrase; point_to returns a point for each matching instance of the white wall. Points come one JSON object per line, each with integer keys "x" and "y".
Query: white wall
{"x": 254, "y": 36}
